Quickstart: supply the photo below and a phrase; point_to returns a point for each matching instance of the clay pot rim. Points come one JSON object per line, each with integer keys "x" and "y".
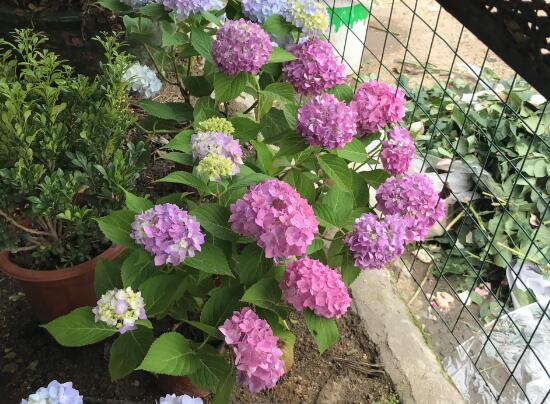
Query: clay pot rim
{"x": 37, "y": 276}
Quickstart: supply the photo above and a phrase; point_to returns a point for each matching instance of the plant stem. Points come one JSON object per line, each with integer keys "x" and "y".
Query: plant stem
{"x": 157, "y": 67}
{"x": 14, "y": 223}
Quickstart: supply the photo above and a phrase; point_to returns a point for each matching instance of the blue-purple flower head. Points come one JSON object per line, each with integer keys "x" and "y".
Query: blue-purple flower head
{"x": 120, "y": 309}
{"x": 261, "y": 10}
{"x": 185, "y": 8}
{"x": 55, "y": 393}
{"x": 204, "y": 144}
{"x": 241, "y": 46}
{"x": 309, "y": 15}
{"x": 169, "y": 233}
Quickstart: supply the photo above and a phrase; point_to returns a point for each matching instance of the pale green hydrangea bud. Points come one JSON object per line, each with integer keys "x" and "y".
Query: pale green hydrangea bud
{"x": 214, "y": 167}
{"x": 216, "y": 124}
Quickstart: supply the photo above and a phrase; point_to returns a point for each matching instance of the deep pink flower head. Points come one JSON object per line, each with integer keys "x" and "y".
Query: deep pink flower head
{"x": 398, "y": 151}
{"x": 167, "y": 232}
{"x": 241, "y": 46}
{"x": 257, "y": 356}
{"x": 309, "y": 283}
{"x": 412, "y": 196}
{"x": 374, "y": 242}
{"x": 327, "y": 122}
{"x": 282, "y": 222}
{"x": 315, "y": 69}
{"x": 377, "y": 104}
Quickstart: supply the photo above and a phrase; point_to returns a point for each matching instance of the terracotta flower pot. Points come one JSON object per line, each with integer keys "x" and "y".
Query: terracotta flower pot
{"x": 57, "y": 292}
{"x": 179, "y": 385}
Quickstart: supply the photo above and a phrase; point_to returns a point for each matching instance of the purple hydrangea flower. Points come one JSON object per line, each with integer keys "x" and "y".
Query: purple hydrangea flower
{"x": 412, "y": 196}
{"x": 120, "y": 308}
{"x": 55, "y": 393}
{"x": 204, "y": 144}
{"x": 241, "y": 46}
{"x": 398, "y": 151}
{"x": 168, "y": 232}
{"x": 261, "y": 10}
{"x": 282, "y": 222}
{"x": 309, "y": 283}
{"x": 377, "y": 104}
{"x": 327, "y": 122}
{"x": 185, "y": 8}
{"x": 374, "y": 242}
{"x": 315, "y": 68}
{"x": 257, "y": 356}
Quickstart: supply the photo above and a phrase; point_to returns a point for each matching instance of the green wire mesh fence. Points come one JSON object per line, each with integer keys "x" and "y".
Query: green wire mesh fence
{"x": 482, "y": 135}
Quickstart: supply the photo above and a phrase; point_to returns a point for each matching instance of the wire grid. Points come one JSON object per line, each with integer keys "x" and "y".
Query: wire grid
{"x": 380, "y": 43}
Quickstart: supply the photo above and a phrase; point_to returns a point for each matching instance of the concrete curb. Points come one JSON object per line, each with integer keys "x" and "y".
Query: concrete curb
{"x": 410, "y": 363}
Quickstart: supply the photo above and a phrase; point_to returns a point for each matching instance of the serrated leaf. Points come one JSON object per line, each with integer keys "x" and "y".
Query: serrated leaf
{"x": 276, "y": 24}
{"x": 348, "y": 269}
{"x": 183, "y": 177}
{"x": 205, "y": 108}
{"x": 136, "y": 203}
{"x": 337, "y": 170}
{"x": 354, "y": 151}
{"x": 279, "y": 55}
{"x": 245, "y": 128}
{"x": 175, "y": 111}
{"x": 374, "y": 177}
{"x": 128, "y": 351}
{"x": 301, "y": 183}
{"x": 221, "y": 304}
{"x": 228, "y": 88}
{"x": 106, "y": 277}
{"x": 117, "y": 227}
{"x": 211, "y": 260}
{"x": 324, "y": 330}
{"x": 253, "y": 265}
{"x": 170, "y": 354}
{"x": 326, "y": 216}
{"x": 215, "y": 219}
{"x": 158, "y": 293}
{"x": 202, "y": 42}
{"x": 267, "y": 294}
{"x": 212, "y": 368}
{"x": 137, "y": 268}
{"x": 342, "y": 91}
{"x": 206, "y": 328}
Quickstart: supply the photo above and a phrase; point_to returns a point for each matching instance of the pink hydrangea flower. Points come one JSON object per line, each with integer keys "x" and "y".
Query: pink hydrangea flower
{"x": 377, "y": 104}
{"x": 374, "y": 242}
{"x": 241, "y": 46}
{"x": 168, "y": 232}
{"x": 315, "y": 69}
{"x": 280, "y": 220}
{"x": 257, "y": 356}
{"x": 327, "y": 122}
{"x": 412, "y": 196}
{"x": 309, "y": 283}
{"x": 398, "y": 151}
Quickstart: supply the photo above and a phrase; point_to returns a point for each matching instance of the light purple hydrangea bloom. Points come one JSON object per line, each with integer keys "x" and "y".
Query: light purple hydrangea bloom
{"x": 55, "y": 393}
{"x": 217, "y": 143}
{"x": 412, "y": 196}
{"x": 185, "y": 8}
{"x": 185, "y": 399}
{"x": 398, "y": 151}
{"x": 327, "y": 122}
{"x": 120, "y": 308}
{"x": 261, "y": 10}
{"x": 377, "y": 104}
{"x": 315, "y": 68}
{"x": 241, "y": 46}
{"x": 308, "y": 283}
{"x": 374, "y": 242}
{"x": 257, "y": 356}
{"x": 309, "y": 15}
{"x": 280, "y": 220}
{"x": 167, "y": 232}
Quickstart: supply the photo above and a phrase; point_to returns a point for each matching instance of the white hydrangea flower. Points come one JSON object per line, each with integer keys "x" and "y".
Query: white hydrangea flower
{"x": 185, "y": 399}
{"x": 120, "y": 308}
{"x": 143, "y": 80}
{"x": 55, "y": 393}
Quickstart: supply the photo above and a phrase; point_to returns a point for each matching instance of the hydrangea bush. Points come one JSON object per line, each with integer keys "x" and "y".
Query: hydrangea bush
{"x": 272, "y": 212}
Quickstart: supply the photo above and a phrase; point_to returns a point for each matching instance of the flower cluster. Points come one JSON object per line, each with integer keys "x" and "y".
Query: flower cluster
{"x": 374, "y": 242}
{"x": 137, "y": 3}
{"x": 309, "y": 283}
{"x": 309, "y": 15}
{"x": 377, "y": 104}
{"x": 185, "y": 399}
{"x": 215, "y": 167}
{"x": 282, "y": 222}
{"x": 120, "y": 308}
{"x": 143, "y": 80}
{"x": 216, "y": 124}
{"x": 411, "y": 196}
{"x": 55, "y": 393}
{"x": 167, "y": 232}
{"x": 185, "y": 8}
{"x": 327, "y": 122}
{"x": 257, "y": 356}
{"x": 398, "y": 151}
{"x": 204, "y": 144}
{"x": 261, "y": 10}
{"x": 241, "y": 46}
{"x": 315, "y": 68}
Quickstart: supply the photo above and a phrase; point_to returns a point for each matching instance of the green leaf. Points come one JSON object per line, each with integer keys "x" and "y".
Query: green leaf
{"x": 253, "y": 265}
{"x": 301, "y": 183}
{"x": 245, "y": 128}
{"x": 349, "y": 271}
{"x": 276, "y": 24}
{"x": 183, "y": 177}
{"x": 180, "y": 158}
{"x": 225, "y": 387}
{"x": 153, "y": 10}
{"x": 158, "y": 293}
{"x": 78, "y": 328}
{"x": 282, "y": 92}
{"x": 279, "y": 55}
{"x": 337, "y": 170}
{"x": 137, "y": 204}
{"x": 374, "y": 177}
{"x": 354, "y": 151}
{"x": 211, "y": 260}
{"x": 245, "y": 180}
{"x": 341, "y": 203}
{"x": 202, "y": 42}
{"x": 342, "y": 91}
{"x": 137, "y": 268}
{"x": 175, "y": 111}
{"x": 324, "y": 330}
{"x": 290, "y": 143}
{"x": 290, "y": 112}
{"x": 205, "y": 108}
{"x": 170, "y": 354}
{"x": 207, "y": 329}
{"x": 264, "y": 157}
{"x": 221, "y": 304}
{"x": 117, "y": 227}
{"x": 315, "y": 246}
{"x": 212, "y": 368}
{"x": 215, "y": 219}
{"x": 128, "y": 352}
{"x": 228, "y": 88}
{"x": 114, "y": 5}
{"x": 106, "y": 277}
{"x": 265, "y": 293}
{"x": 181, "y": 142}
{"x": 326, "y": 216}
{"x": 198, "y": 86}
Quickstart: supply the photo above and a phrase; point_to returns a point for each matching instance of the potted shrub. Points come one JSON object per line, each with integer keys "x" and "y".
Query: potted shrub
{"x": 279, "y": 216}
{"x": 63, "y": 162}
